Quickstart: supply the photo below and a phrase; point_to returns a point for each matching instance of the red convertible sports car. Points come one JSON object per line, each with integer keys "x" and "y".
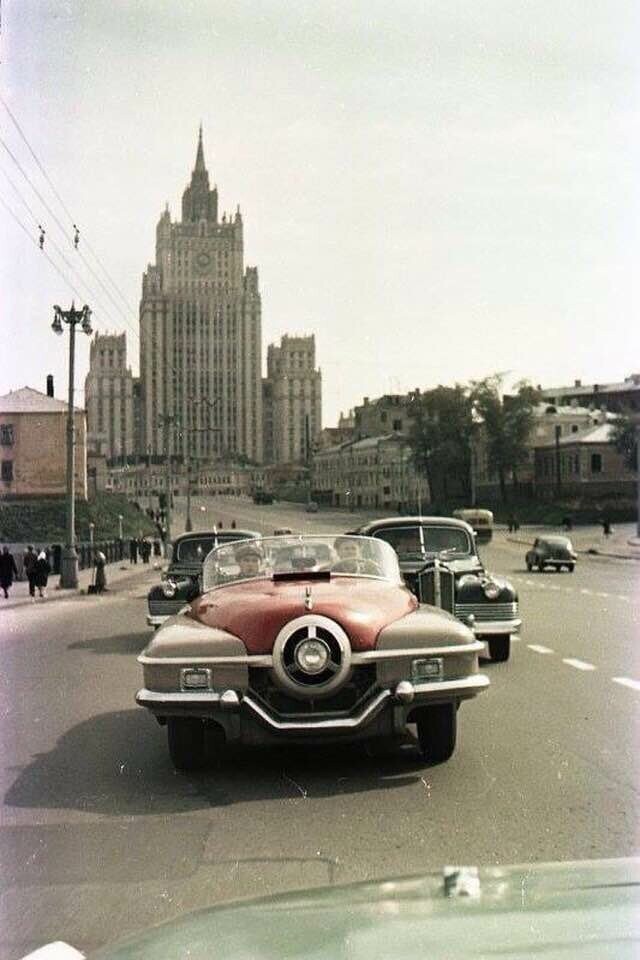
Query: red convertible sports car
{"x": 308, "y": 639}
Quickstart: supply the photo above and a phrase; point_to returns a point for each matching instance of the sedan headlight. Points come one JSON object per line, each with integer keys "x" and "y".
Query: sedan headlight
{"x": 491, "y": 590}
{"x": 169, "y": 589}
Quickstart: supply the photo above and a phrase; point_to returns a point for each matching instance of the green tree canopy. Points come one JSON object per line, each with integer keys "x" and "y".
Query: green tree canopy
{"x": 439, "y": 437}
{"x": 625, "y": 438}
{"x": 508, "y": 420}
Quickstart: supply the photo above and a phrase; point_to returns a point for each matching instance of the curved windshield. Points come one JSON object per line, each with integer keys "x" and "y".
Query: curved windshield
{"x": 288, "y": 557}
{"x": 413, "y": 542}
{"x": 195, "y": 549}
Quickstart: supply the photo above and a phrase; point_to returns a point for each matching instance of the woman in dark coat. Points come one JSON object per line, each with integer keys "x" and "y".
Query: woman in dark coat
{"x": 41, "y": 571}
{"x": 8, "y": 570}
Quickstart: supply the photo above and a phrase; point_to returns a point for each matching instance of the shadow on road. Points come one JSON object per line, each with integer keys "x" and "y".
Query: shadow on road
{"x": 127, "y": 643}
{"x": 118, "y": 764}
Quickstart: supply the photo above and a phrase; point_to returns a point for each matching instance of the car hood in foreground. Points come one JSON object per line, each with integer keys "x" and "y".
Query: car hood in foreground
{"x": 589, "y": 910}
{"x": 256, "y": 610}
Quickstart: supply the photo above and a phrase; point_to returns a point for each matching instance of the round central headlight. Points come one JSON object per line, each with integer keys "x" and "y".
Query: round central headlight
{"x": 491, "y": 590}
{"x": 312, "y": 656}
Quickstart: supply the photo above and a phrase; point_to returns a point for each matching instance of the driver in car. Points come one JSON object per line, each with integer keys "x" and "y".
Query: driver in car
{"x": 350, "y": 559}
{"x": 249, "y": 561}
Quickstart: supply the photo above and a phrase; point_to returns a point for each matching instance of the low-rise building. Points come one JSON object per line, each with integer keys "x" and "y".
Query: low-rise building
{"x": 141, "y": 480}
{"x": 615, "y": 397}
{"x": 33, "y": 445}
{"x": 549, "y": 419}
{"x": 372, "y": 472}
{"x": 391, "y": 413}
{"x": 582, "y": 464}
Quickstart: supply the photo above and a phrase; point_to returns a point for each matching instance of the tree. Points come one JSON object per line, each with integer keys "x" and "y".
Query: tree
{"x": 625, "y": 438}
{"x": 439, "y": 438}
{"x": 508, "y": 421}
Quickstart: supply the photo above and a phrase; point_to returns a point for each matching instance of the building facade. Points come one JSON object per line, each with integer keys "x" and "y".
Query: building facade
{"x": 391, "y": 413}
{"x": 585, "y": 463}
{"x": 33, "y": 446}
{"x": 108, "y": 393}
{"x": 551, "y": 422}
{"x": 614, "y": 397}
{"x": 373, "y": 472}
{"x": 200, "y": 334}
{"x": 292, "y": 394}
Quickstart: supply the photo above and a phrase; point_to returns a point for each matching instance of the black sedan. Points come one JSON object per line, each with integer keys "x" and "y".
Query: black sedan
{"x": 181, "y": 580}
{"x": 554, "y": 552}
{"x": 440, "y": 564}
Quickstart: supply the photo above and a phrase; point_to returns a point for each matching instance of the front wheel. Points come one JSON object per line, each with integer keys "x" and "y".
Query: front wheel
{"x": 499, "y": 648}
{"x": 437, "y": 727}
{"x": 186, "y": 742}
{"x": 529, "y": 567}
{"x": 541, "y": 567}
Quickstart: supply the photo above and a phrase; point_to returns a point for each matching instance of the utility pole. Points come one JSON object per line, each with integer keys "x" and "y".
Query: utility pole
{"x": 69, "y": 559}
{"x": 558, "y": 478}
{"x": 166, "y": 421}
{"x": 638, "y": 477}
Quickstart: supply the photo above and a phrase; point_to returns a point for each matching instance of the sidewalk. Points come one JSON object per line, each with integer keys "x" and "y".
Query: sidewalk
{"x": 116, "y": 573}
{"x": 623, "y": 542}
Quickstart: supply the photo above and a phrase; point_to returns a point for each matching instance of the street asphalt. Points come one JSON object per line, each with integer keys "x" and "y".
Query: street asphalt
{"x": 101, "y": 837}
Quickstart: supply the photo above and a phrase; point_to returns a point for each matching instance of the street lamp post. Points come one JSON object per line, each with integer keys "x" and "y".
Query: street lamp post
{"x": 120, "y": 519}
{"x": 638, "y": 477}
{"x": 69, "y": 559}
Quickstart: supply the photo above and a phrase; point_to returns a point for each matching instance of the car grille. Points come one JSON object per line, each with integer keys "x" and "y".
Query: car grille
{"x": 163, "y": 608}
{"x": 487, "y": 611}
{"x": 447, "y": 588}
{"x": 358, "y": 688}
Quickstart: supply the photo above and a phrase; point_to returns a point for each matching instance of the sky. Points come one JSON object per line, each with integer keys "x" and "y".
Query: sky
{"x": 439, "y": 190}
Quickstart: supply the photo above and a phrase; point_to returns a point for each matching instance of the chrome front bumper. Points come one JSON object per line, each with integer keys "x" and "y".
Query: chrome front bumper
{"x": 484, "y": 628}
{"x": 226, "y": 706}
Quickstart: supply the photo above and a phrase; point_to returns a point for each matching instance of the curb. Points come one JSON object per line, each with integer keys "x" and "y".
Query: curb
{"x": 54, "y": 593}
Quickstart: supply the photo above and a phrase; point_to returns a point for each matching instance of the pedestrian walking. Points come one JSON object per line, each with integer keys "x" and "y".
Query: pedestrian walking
{"x": 101, "y": 576}
{"x": 8, "y": 570}
{"x": 133, "y": 550}
{"x": 145, "y": 550}
{"x": 157, "y": 547}
{"x": 28, "y": 563}
{"x": 41, "y": 571}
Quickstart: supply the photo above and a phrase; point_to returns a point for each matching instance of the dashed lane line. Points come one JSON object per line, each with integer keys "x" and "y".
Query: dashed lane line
{"x": 539, "y": 648}
{"x": 627, "y": 682}
{"x": 578, "y": 664}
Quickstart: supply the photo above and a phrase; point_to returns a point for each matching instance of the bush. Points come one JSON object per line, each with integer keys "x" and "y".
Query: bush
{"x": 24, "y": 520}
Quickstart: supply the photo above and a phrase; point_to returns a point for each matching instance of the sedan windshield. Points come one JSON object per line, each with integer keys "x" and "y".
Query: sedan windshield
{"x": 417, "y": 541}
{"x": 195, "y": 549}
{"x": 291, "y": 556}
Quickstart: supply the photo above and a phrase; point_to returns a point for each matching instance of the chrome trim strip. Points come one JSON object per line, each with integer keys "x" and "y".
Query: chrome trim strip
{"x": 368, "y": 655}
{"x": 341, "y": 723}
{"x": 153, "y": 697}
{"x": 241, "y": 660}
{"x": 497, "y": 627}
{"x": 476, "y": 682}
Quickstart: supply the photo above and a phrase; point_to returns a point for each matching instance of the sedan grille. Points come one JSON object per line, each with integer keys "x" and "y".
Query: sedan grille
{"x": 487, "y": 611}
{"x": 359, "y": 688}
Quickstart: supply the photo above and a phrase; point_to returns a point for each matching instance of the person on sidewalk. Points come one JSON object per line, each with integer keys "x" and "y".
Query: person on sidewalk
{"x": 28, "y": 563}
{"x": 41, "y": 571}
{"x": 133, "y": 550}
{"x": 101, "y": 577}
{"x": 8, "y": 570}
{"x": 145, "y": 550}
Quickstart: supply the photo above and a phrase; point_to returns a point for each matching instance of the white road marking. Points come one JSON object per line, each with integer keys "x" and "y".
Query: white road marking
{"x": 621, "y": 596}
{"x": 585, "y": 590}
{"x": 600, "y": 593}
{"x": 578, "y": 664}
{"x": 627, "y": 682}
{"x": 538, "y": 648}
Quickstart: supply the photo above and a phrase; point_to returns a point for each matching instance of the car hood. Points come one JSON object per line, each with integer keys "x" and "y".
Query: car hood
{"x": 589, "y": 910}
{"x": 256, "y": 610}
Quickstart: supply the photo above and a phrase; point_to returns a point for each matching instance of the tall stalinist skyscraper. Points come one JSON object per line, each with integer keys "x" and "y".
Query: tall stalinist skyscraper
{"x": 200, "y": 333}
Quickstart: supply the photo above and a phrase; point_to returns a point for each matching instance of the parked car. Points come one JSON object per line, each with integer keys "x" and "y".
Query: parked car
{"x": 554, "y": 551}
{"x": 480, "y": 520}
{"x": 308, "y": 639}
{"x": 440, "y": 564}
{"x": 312, "y": 507}
{"x": 181, "y": 580}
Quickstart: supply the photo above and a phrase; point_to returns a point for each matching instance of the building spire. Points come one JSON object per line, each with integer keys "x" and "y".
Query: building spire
{"x": 200, "y": 167}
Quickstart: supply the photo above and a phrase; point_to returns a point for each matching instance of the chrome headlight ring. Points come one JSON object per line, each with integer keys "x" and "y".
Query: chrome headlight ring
{"x": 491, "y": 589}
